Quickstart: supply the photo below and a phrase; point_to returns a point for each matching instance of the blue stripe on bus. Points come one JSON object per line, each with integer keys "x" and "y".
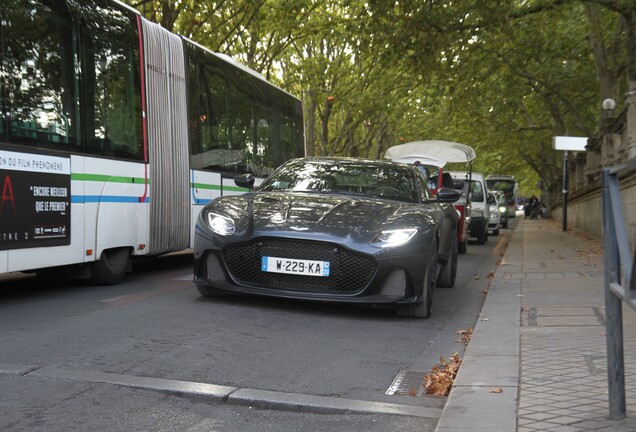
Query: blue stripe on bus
{"x": 83, "y": 199}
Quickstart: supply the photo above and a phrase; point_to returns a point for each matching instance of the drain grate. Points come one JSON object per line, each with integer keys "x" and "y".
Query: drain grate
{"x": 408, "y": 383}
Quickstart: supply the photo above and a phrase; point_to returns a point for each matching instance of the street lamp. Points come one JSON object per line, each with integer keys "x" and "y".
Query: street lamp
{"x": 608, "y": 106}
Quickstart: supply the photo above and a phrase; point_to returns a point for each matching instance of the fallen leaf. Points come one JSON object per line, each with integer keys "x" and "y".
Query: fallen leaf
{"x": 466, "y": 336}
{"x": 476, "y": 277}
{"x": 440, "y": 380}
{"x": 497, "y": 390}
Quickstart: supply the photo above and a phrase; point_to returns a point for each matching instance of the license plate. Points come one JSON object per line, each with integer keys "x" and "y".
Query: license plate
{"x": 295, "y": 266}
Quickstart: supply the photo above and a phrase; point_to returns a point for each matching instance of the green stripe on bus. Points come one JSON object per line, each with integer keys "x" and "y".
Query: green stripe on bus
{"x": 206, "y": 186}
{"x": 235, "y": 189}
{"x": 217, "y": 187}
{"x": 108, "y": 178}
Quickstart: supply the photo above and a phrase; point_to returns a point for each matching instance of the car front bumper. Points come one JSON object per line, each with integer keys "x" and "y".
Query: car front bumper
{"x": 354, "y": 277}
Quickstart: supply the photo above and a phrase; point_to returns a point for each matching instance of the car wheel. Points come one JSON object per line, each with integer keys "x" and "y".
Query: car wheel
{"x": 462, "y": 247}
{"x": 483, "y": 237}
{"x": 495, "y": 232}
{"x": 111, "y": 267}
{"x": 448, "y": 272}
{"x": 207, "y": 291}
{"x": 424, "y": 308}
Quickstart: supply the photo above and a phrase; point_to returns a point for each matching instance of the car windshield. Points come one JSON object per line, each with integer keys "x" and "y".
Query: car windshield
{"x": 380, "y": 180}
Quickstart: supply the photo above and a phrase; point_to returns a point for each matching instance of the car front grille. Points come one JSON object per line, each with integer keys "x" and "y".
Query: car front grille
{"x": 349, "y": 273}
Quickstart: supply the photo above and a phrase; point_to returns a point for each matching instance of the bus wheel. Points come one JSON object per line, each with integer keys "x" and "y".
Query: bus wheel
{"x": 111, "y": 266}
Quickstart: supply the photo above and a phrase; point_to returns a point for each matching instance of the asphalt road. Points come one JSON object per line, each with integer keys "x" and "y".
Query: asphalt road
{"x": 150, "y": 354}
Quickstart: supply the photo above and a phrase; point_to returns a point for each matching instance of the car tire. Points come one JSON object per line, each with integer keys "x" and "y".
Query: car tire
{"x": 448, "y": 272}
{"x": 209, "y": 292}
{"x": 111, "y": 267}
{"x": 424, "y": 308}
{"x": 495, "y": 232}
{"x": 462, "y": 247}
{"x": 483, "y": 237}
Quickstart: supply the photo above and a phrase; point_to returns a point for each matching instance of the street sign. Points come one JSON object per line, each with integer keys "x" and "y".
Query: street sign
{"x": 569, "y": 143}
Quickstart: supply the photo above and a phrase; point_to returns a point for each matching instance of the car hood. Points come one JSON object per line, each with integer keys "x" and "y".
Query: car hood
{"x": 329, "y": 214}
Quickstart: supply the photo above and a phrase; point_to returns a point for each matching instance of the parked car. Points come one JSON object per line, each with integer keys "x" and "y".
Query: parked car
{"x": 479, "y": 211}
{"x": 331, "y": 229}
{"x": 494, "y": 223}
{"x": 463, "y": 206}
{"x": 431, "y": 156}
{"x": 503, "y": 208}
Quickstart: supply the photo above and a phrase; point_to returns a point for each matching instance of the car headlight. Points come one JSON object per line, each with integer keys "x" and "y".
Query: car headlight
{"x": 392, "y": 238}
{"x": 221, "y": 225}
{"x": 502, "y": 209}
{"x": 476, "y": 213}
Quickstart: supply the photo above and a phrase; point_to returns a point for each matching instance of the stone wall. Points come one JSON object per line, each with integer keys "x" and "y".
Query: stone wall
{"x": 585, "y": 212}
{"x": 615, "y": 144}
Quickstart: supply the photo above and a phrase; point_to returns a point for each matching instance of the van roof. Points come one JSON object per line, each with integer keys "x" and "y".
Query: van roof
{"x": 442, "y": 152}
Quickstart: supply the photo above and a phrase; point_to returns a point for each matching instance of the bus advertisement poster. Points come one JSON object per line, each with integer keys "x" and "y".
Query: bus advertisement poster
{"x": 35, "y": 200}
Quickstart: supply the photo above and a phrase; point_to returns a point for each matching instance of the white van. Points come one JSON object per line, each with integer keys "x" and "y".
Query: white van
{"x": 479, "y": 208}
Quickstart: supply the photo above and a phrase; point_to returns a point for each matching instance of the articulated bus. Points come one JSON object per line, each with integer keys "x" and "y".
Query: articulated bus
{"x": 507, "y": 185}
{"x": 115, "y": 132}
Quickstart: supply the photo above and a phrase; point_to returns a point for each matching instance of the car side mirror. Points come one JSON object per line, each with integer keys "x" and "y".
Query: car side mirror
{"x": 447, "y": 195}
{"x": 244, "y": 181}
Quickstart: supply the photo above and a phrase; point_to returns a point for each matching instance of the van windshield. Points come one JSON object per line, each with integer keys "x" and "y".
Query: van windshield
{"x": 476, "y": 191}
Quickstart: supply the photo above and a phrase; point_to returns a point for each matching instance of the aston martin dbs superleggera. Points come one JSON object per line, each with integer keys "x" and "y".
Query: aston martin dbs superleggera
{"x": 333, "y": 230}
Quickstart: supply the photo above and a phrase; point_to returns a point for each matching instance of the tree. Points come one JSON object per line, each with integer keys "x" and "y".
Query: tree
{"x": 502, "y": 76}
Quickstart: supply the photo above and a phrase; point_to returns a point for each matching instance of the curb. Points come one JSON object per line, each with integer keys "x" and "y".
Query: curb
{"x": 262, "y": 399}
{"x": 485, "y": 394}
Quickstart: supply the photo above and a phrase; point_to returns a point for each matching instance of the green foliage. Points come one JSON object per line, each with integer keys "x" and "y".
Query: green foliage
{"x": 502, "y": 76}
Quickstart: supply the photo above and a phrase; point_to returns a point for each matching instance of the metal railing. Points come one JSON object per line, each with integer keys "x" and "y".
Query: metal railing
{"x": 619, "y": 285}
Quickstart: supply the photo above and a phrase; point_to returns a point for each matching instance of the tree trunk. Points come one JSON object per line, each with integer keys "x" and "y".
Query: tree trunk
{"x": 324, "y": 130}
{"x": 310, "y": 122}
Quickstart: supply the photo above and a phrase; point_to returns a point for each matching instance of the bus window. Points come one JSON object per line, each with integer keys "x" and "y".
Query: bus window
{"x": 265, "y": 155}
{"x": 40, "y": 89}
{"x": 238, "y": 122}
{"x": 290, "y": 130}
{"x": 241, "y": 128}
{"x": 111, "y": 102}
{"x": 213, "y": 101}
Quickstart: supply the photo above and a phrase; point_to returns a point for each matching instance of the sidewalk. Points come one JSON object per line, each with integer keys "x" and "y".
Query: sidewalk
{"x": 537, "y": 358}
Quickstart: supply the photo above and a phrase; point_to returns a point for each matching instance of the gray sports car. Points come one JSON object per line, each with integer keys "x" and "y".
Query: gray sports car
{"x": 334, "y": 230}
